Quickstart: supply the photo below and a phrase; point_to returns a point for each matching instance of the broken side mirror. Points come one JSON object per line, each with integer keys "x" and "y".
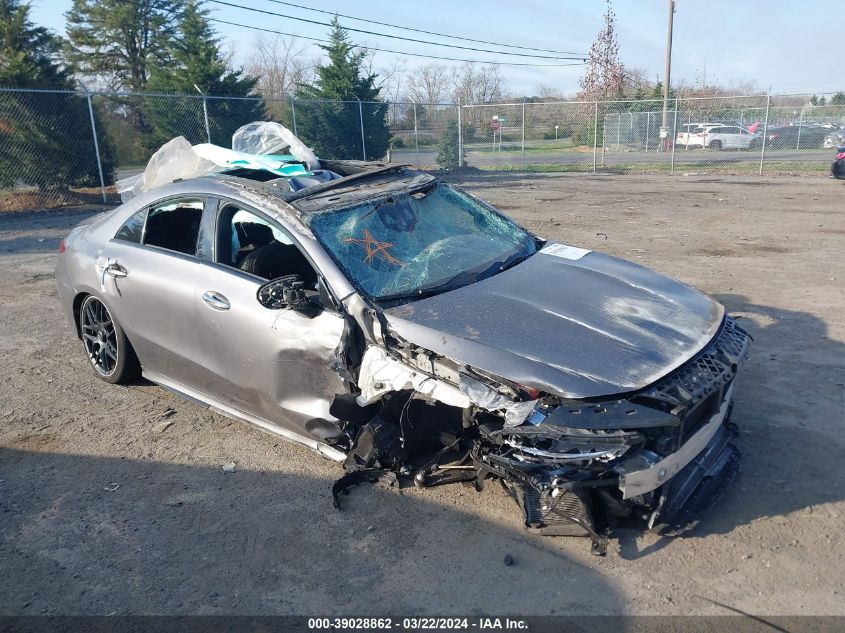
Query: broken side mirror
{"x": 287, "y": 293}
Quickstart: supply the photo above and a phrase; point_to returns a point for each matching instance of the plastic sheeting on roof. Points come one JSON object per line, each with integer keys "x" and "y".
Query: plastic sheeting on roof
{"x": 267, "y": 137}
{"x": 255, "y": 146}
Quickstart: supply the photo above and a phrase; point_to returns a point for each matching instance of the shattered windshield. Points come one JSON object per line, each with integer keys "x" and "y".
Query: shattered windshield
{"x": 414, "y": 245}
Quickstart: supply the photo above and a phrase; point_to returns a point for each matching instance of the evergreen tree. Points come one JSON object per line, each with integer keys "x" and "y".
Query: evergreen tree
{"x": 448, "y": 150}
{"x": 334, "y": 129}
{"x": 45, "y": 137}
{"x": 120, "y": 41}
{"x": 837, "y": 99}
{"x": 198, "y": 62}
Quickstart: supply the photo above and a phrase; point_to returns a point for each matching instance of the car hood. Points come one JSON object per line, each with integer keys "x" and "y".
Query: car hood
{"x": 567, "y": 321}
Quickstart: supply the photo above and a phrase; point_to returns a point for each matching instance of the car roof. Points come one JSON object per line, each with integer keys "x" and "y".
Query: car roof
{"x": 361, "y": 181}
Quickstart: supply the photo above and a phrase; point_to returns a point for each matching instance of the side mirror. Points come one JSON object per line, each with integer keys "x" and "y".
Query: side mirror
{"x": 286, "y": 293}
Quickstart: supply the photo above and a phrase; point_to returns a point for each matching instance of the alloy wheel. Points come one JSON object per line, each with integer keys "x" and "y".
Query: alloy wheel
{"x": 98, "y": 335}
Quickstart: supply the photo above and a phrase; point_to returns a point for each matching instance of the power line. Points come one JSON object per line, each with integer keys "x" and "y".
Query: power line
{"x": 408, "y": 28}
{"x": 397, "y": 37}
{"x": 385, "y": 50}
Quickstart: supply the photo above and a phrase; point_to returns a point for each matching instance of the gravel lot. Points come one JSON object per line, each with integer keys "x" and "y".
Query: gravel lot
{"x": 104, "y": 510}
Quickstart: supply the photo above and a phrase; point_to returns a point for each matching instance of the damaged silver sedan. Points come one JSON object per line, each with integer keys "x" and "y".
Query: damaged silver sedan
{"x": 403, "y": 327}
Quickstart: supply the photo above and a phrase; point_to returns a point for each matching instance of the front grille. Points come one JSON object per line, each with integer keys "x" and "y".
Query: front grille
{"x": 707, "y": 373}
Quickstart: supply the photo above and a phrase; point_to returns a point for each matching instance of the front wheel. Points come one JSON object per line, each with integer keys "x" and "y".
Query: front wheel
{"x": 717, "y": 145}
{"x": 106, "y": 345}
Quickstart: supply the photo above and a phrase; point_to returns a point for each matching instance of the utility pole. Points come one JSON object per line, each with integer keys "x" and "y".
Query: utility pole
{"x": 664, "y": 129}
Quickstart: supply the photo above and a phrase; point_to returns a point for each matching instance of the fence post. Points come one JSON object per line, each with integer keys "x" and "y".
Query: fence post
{"x": 674, "y": 136}
{"x": 416, "y": 136}
{"x": 205, "y": 114}
{"x": 603, "y": 137}
{"x": 618, "y": 128}
{"x": 460, "y": 136}
{"x": 647, "y": 129}
{"x": 595, "y": 135}
{"x": 765, "y": 131}
{"x": 96, "y": 146}
{"x": 523, "y": 134}
{"x": 800, "y": 121}
{"x": 361, "y": 116}
{"x": 293, "y": 114}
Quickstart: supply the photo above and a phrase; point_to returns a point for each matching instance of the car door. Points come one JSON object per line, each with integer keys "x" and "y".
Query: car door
{"x": 274, "y": 364}
{"x": 147, "y": 278}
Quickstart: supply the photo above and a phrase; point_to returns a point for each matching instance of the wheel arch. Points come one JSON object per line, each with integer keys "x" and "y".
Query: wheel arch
{"x": 77, "y": 306}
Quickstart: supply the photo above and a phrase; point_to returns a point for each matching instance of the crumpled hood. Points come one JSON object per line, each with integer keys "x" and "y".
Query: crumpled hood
{"x": 566, "y": 321}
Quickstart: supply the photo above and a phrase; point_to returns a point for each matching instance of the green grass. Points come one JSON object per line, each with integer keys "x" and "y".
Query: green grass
{"x": 510, "y": 147}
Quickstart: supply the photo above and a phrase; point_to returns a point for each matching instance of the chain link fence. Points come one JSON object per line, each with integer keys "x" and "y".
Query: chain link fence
{"x": 63, "y": 147}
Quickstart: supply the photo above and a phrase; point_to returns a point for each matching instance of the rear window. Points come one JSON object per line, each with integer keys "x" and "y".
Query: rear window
{"x": 133, "y": 229}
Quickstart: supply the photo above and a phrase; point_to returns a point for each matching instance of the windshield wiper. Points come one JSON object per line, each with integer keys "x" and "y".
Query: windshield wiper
{"x": 461, "y": 279}
{"x": 514, "y": 259}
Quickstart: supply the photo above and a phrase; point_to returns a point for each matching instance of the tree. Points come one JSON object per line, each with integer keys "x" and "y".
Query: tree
{"x": 280, "y": 67}
{"x": 605, "y": 74}
{"x": 448, "y": 150}
{"x": 334, "y": 129}
{"x": 475, "y": 84}
{"x": 837, "y": 99}
{"x": 120, "y": 41}
{"x": 198, "y": 62}
{"x": 428, "y": 84}
{"x": 44, "y": 137}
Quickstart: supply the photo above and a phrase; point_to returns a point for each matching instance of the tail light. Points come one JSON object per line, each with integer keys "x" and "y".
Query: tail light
{"x": 840, "y": 156}
{"x": 61, "y": 246}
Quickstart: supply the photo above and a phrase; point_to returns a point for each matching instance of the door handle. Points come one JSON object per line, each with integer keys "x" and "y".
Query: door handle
{"x": 215, "y": 300}
{"x": 117, "y": 271}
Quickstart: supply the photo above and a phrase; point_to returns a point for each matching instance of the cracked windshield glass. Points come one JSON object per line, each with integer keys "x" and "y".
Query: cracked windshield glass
{"x": 407, "y": 246}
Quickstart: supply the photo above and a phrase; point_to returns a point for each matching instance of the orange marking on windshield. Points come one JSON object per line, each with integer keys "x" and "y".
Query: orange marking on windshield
{"x": 373, "y": 248}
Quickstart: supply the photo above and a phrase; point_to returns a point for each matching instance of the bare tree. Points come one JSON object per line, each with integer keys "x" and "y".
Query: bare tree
{"x": 546, "y": 92}
{"x": 280, "y": 66}
{"x": 475, "y": 84}
{"x": 605, "y": 74}
{"x": 428, "y": 84}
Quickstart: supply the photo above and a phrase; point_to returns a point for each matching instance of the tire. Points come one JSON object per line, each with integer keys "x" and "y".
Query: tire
{"x": 106, "y": 346}
{"x": 717, "y": 145}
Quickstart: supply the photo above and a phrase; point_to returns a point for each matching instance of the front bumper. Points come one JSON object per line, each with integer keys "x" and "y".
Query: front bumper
{"x": 674, "y": 470}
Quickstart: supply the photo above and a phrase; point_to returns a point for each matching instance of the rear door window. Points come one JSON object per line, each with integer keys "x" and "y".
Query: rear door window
{"x": 174, "y": 225}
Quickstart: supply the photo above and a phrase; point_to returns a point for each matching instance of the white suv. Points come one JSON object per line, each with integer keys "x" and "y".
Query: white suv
{"x": 714, "y": 136}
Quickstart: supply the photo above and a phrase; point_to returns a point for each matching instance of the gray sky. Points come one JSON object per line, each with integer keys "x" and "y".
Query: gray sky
{"x": 794, "y": 46}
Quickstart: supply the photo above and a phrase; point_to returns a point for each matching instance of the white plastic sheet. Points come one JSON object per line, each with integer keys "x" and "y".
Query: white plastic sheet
{"x": 251, "y": 146}
{"x": 267, "y": 137}
{"x": 175, "y": 159}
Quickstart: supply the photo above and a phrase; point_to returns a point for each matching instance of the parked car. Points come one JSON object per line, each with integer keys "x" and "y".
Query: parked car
{"x": 793, "y": 137}
{"x": 837, "y": 169}
{"x": 835, "y": 139}
{"x": 716, "y": 137}
{"x": 690, "y": 134}
{"x": 396, "y": 323}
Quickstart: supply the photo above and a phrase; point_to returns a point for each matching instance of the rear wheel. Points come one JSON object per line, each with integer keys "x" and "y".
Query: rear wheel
{"x": 106, "y": 345}
{"x": 717, "y": 145}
